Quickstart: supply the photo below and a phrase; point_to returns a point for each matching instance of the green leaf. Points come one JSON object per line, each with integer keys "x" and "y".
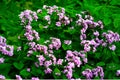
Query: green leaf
{"x": 116, "y": 22}
{"x": 5, "y": 68}
{"x": 55, "y": 72}
{"x": 97, "y": 55}
{"x": 18, "y": 65}
{"x": 115, "y": 2}
{"x": 24, "y": 73}
{"x": 76, "y": 75}
{"x": 100, "y": 64}
{"x": 112, "y": 66}
{"x": 66, "y": 47}
{"x": 107, "y": 21}
{"x": 115, "y": 57}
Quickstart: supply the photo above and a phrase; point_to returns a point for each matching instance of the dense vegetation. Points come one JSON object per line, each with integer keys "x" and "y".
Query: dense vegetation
{"x": 59, "y": 39}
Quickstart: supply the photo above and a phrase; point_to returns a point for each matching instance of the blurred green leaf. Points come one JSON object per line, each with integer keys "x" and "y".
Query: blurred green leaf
{"x": 116, "y": 22}
{"x": 115, "y": 2}
{"x": 5, "y": 68}
{"x": 100, "y": 64}
{"x": 19, "y": 65}
{"x": 107, "y": 21}
{"x": 24, "y": 73}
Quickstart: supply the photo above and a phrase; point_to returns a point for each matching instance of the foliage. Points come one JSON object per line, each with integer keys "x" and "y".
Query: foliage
{"x": 10, "y": 27}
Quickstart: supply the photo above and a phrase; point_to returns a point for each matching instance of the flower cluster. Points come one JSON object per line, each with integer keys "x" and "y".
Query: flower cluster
{"x": 38, "y": 47}
{"x": 73, "y": 58}
{"x": 90, "y": 39}
{"x": 111, "y": 37}
{"x": 89, "y": 25}
{"x": 56, "y": 43}
{"x": 47, "y": 63}
{"x": 28, "y": 16}
{"x": 89, "y": 74}
{"x": 50, "y": 9}
{"x": 91, "y": 44}
{"x": 4, "y": 48}
{"x": 63, "y": 19}
{"x": 31, "y": 34}
{"x": 18, "y": 77}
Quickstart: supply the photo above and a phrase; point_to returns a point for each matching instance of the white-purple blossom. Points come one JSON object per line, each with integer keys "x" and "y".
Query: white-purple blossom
{"x": 18, "y": 77}
{"x": 48, "y": 71}
{"x": 118, "y": 73}
{"x": 2, "y": 77}
{"x": 35, "y": 78}
{"x": 2, "y": 60}
{"x": 113, "y": 47}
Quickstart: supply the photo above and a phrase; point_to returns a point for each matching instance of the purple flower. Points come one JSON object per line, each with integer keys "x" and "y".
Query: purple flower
{"x": 113, "y": 47}
{"x": 35, "y": 78}
{"x": 58, "y": 24}
{"x": 41, "y": 59}
{"x": 4, "y": 48}
{"x": 36, "y": 35}
{"x": 71, "y": 64}
{"x": 51, "y": 46}
{"x": 28, "y": 15}
{"x": 104, "y": 44}
{"x": 96, "y": 33}
{"x": 18, "y": 77}
{"x": 28, "y": 27}
{"x": 69, "y": 55}
{"x": 61, "y": 16}
{"x": 39, "y": 11}
{"x": 50, "y": 51}
{"x": 47, "y": 63}
{"x": 2, "y": 60}
{"x": 77, "y": 61}
{"x": 85, "y": 60}
{"x": 47, "y": 17}
{"x": 118, "y": 73}
{"x": 53, "y": 58}
{"x": 68, "y": 42}
{"x": 29, "y": 53}
{"x": 2, "y": 41}
{"x": 88, "y": 74}
{"x": 2, "y": 77}
{"x": 56, "y": 43}
{"x": 82, "y": 36}
{"x": 9, "y": 50}
{"x": 28, "y": 69}
{"x": 100, "y": 70}
{"x": 69, "y": 75}
{"x": 87, "y": 48}
{"x": 60, "y": 61}
{"x": 36, "y": 64}
{"x": 48, "y": 71}
{"x": 83, "y": 31}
